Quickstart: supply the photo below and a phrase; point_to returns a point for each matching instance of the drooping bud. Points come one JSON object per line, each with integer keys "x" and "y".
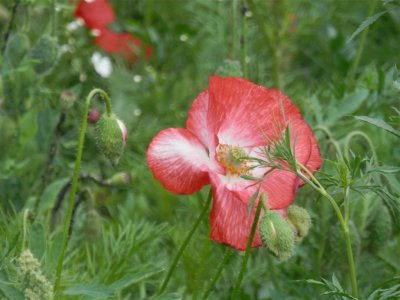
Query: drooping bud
{"x": 111, "y": 135}
{"x": 45, "y": 54}
{"x": 379, "y": 229}
{"x": 34, "y": 284}
{"x": 93, "y": 116}
{"x": 277, "y": 235}
{"x": 119, "y": 179}
{"x": 300, "y": 219}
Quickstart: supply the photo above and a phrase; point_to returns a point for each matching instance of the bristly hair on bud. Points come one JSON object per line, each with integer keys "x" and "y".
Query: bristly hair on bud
{"x": 277, "y": 235}
{"x": 111, "y": 135}
{"x": 300, "y": 219}
{"x": 35, "y": 285}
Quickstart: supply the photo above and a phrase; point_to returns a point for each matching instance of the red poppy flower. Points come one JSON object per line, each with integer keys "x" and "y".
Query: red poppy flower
{"x": 122, "y": 43}
{"x": 96, "y": 14}
{"x": 231, "y": 117}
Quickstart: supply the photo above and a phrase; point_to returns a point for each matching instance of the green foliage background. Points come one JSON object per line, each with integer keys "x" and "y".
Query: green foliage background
{"x": 125, "y": 237}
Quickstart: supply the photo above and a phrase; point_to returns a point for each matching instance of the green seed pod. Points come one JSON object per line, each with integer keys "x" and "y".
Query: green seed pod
{"x": 45, "y": 55}
{"x": 119, "y": 179}
{"x": 337, "y": 249}
{"x": 300, "y": 219}
{"x": 379, "y": 229}
{"x": 277, "y": 235}
{"x": 229, "y": 68}
{"x": 17, "y": 46}
{"x": 111, "y": 136}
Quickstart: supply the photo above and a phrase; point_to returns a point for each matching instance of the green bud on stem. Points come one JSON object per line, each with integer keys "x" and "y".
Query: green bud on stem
{"x": 300, "y": 219}
{"x": 277, "y": 235}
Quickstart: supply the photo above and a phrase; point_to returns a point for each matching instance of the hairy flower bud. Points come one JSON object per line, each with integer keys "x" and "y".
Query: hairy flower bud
{"x": 92, "y": 224}
{"x": 45, "y": 54}
{"x": 111, "y": 135}
{"x": 300, "y": 219}
{"x": 119, "y": 179}
{"x": 337, "y": 245}
{"x": 379, "y": 228}
{"x": 277, "y": 235}
{"x": 35, "y": 285}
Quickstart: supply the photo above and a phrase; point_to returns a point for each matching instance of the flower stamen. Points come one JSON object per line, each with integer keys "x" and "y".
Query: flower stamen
{"x": 233, "y": 159}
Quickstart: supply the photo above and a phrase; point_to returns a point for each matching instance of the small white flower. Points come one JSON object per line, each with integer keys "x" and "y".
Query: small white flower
{"x": 74, "y": 25}
{"x": 137, "y": 112}
{"x": 102, "y": 64}
{"x": 183, "y": 37}
{"x": 137, "y": 78}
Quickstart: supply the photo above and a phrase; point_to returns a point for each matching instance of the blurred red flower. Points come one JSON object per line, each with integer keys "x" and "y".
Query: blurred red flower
{"x": 232, "y": 117}
{"x": 97, "y": 15}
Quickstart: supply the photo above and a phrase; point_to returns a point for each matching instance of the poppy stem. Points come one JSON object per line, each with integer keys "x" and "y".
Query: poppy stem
{"x": 312, "y": 181}
{"x": 227, "y": 256}
{"x": 74, "y": 185}
{"x": 239, "y": 279}
{"x": 184, "y": 244}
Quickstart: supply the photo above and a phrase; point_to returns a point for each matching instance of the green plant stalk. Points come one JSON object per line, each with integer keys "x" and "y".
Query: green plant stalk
{"x": 270, "y": 41}
{"x": 74, "y": 185}
{"x": 331, "y": 139}
{"x": 227, "y": 255}
{"x": 248, "y": 248}
{"x": 184, "y": 245}
{"x": 360, "y": 49}
{"x": 355, "y": 133}
{"x": 343, "y": 225}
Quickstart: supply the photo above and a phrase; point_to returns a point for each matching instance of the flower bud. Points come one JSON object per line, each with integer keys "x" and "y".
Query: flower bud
{"x": 93, "y": 116}
{"x": 277, "y": 235}
{"x": 337, "y": 245}
{"x": 300, "y": 219}
{"x": 379, "y": 229}
{"x": 111, "y": 135}
{"x": 93, "y": 224}
{"x": 119, "y": 179}
{"x": 45, "y": 54}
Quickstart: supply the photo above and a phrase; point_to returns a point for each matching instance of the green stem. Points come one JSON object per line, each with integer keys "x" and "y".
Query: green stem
{"x": 343, "y": 225}
{"x": 184, "y": 244}
{"x": 227, "y": 255}
{"x": 74, "y": 185}
{"x": 360, "y": 49}
{"x": 239, "y": 279}
{"x": 331, "y": 139}
{"x": 24, "y": 228}
{"x": 355, "y": 133}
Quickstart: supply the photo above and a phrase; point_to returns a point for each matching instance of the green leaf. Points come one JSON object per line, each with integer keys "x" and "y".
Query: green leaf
{"x": 135, "y": 278}
{"x": 168, "y": 297}
{"x": 379, "y": 123}
{"x": 37, "y": 240}
{"x": 370, "y": 20}
{"x": 50, "y": 194}
{"x": 385, "y": 169}
{"x": 252, "y": 199}
{"x": 97, "y": 291}
{"x": 8, "y": 289}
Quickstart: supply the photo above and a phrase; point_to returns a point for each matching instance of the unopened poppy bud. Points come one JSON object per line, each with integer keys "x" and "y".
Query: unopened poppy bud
{"x": 45, "y": 54}
{"x": 300, "y": 219}
{"x": 111, "y": 135}
{"x": 119, "y": 179}
{"x": 277, "y": 235}
{"x": 337, "y": 244}
{"x": 379, "y": 229}
{"x": 93, "y": 116}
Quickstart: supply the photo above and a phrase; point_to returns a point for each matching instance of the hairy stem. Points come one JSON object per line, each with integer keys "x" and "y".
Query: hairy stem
{"x": 361, "y": 134}
{"x": 184, "y": 244}
{"x": 74, "y": 184}
{"x": 239, "y": 279}
{"x": 343, "y": 224}
{"x": 227, "y": 255}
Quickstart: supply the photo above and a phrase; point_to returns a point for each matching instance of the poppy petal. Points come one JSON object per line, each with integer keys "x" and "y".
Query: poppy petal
{"x": 96, "y": 14}
{"x": 229, "y": 218}
{"x": 179, "y": 161}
